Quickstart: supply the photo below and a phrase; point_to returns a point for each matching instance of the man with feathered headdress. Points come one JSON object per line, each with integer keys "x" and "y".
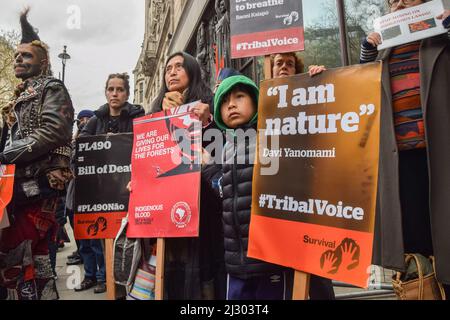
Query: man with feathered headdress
{"x": 35, "y": 138}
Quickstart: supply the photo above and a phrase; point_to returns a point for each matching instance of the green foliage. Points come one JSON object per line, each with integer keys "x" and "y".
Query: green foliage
{"x": 8, "y": 82}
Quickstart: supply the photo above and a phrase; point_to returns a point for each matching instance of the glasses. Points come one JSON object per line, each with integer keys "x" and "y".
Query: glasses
{"x": 177, "y": 67}
{"x": 395, "y": 3}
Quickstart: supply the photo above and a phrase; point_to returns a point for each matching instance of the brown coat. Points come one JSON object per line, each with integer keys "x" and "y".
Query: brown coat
{"x": 435, "y": 96}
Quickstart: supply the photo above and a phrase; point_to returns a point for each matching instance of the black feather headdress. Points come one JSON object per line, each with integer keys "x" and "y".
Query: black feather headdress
{"x": 29, "y": 34}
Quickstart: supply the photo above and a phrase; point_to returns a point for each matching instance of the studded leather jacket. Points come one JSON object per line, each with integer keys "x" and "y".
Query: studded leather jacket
{"x": 39, "y": 140}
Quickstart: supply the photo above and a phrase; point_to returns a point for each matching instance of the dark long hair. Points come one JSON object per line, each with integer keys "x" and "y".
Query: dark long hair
{"x": 197, "y": 89}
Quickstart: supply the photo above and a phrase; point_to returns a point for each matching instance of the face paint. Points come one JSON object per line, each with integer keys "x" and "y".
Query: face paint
{"x": 28, "y": 62}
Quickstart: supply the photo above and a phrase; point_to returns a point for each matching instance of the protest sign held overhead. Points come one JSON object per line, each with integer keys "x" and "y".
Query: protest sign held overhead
{"x": 103, "y": 164}
{"x": 410, "y": 24}
{"x": 165, "y": 181}
{"x": 315, "y": 211}
{"x": 264, "y": 27}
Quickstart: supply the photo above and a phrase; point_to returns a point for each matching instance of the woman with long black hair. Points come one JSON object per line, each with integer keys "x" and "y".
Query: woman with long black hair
{"x": 194, "y": 267}
{"x": 183, "y": 84}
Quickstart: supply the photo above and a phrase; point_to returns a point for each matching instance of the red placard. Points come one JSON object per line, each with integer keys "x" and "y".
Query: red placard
{"x": 165, "y": 179}
{"x": 267, "y": 42}
{"x": 6, "y": 186}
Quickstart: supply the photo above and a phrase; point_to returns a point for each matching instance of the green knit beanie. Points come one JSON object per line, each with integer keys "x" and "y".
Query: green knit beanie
{"x": 226, "y": 87}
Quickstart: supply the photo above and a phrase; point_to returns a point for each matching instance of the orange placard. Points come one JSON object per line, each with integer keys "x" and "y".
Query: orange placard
{"x": 98, "y": 225}
{"x": 335, "y": 253}
{"x": 315, "y": 179}
{"x": 6, "y": 186}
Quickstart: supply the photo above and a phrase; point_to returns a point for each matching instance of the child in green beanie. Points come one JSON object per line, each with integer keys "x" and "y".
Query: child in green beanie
{"x": 236, "y": 108}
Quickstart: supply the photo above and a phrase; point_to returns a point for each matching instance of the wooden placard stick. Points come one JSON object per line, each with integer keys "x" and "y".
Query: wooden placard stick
{"x": 110, "y": 283}
{"x": 301, "y": 286}
{"x": 301, "y": 279}
{"x": 267, "y": 68}
{"x": 159, "y": 277}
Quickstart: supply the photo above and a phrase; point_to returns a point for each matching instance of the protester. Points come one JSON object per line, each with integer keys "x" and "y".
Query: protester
{"x": 82, "y": 119}
{"x": 212, "y": 172}
{"x": 289, "y": 64}
{"x": 116, "y": 116}
{"x": 285, "y": 65}
{"x": 236, "y": 103}
{"x": 194, "y": 267}
{"x": 36, "y": 138}
{"x": 414, "y": 177}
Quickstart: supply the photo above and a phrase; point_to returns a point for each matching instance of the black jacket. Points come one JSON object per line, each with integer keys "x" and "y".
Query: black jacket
{"x": 236, "y": 185}
{"x": 40, "y": 138}
{"x": 98, "y": 124}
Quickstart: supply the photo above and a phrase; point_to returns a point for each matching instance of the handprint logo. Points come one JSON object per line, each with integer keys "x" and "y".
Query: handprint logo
{"x": 293, "y": 17}
{"x": 345, "y": 257}
{"x": 288, "y": 20}
{"x": 349, "y": 252}
{"x": 102, "y": 223}
{"x": 329, "y": 262}
{"x": 92, "y": 229}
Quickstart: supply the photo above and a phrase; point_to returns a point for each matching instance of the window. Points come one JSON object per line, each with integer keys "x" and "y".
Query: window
{"x": 321, "y": 25}
{"x": 359, "y": 16}
{"x": 244, "y": 66}
{"x": 322, "y": 45}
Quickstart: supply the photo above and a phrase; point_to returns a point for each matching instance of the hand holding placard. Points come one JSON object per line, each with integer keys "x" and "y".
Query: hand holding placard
{"x": 411, "y": 24}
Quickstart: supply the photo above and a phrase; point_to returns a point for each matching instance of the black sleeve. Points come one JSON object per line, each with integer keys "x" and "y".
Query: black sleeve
{"x": 211, "y": 175}
{"x": 368, "y": 53}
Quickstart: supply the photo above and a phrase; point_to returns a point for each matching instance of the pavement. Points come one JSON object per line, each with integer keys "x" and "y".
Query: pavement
{"x": 70, "y": 276}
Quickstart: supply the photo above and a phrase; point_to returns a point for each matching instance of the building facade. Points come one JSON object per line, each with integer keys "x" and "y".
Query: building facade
{"x": 161, "y": 21}
{"x": 333, "y": 31}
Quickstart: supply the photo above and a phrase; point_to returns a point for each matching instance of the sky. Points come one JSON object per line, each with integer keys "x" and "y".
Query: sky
{"x": 102, "y": 37}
